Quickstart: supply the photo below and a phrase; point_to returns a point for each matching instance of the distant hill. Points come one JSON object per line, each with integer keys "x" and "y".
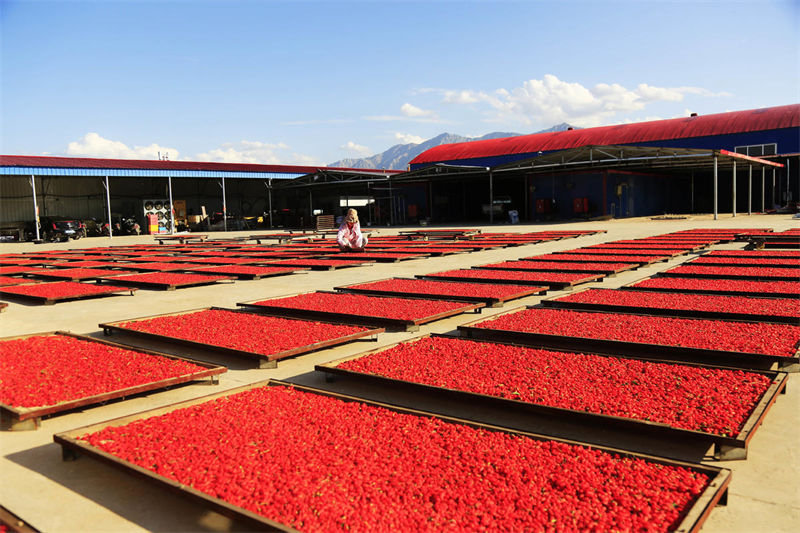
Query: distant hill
{"x": 398, "y": 156}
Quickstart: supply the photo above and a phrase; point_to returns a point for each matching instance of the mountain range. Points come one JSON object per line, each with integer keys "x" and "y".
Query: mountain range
{"x": 398, "y": 156}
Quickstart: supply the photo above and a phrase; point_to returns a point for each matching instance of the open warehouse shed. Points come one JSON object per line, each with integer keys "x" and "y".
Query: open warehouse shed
{"x": 640, "y": 169}
{"x": 85, "y": 188}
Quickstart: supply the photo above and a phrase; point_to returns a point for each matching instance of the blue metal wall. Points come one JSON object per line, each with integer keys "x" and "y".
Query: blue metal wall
{"x": 787, "y": 139}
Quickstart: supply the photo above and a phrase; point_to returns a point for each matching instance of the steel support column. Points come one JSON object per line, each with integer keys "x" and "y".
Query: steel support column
{"x": 35, "y": 208}
{"x": 269, "y": 190}
{"x": 391, "y": 203}
{"x": 108, "y": 205}
{"x": 171, "y": 207}
{"x": 224, "y": 207}
{"x": 763, "y": 175}
{"x": 773, "y": 186}
{"x": 733, "y": 192}
{"x": 750, "y": 190}
{"x": 716, "y": 187}
{"x": 491, "y": 195}
{"x": 691, "y": 194}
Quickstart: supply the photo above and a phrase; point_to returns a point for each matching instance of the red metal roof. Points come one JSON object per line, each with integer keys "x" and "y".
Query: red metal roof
{"x": 149, "y": 164}
{"x": 787, "y": 116}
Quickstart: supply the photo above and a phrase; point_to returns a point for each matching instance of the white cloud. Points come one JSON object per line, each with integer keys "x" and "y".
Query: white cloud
{"x": 407, "y": 138}
{"x": 413, "y": 111}
{"x": 93, "y": 145}
{"x": 257, "y": 153}
{"x": 463, "y": 97}
{"x": 253, "y": 152}
{"x": 551, "y": 100}
{"x": 354, "y": 148}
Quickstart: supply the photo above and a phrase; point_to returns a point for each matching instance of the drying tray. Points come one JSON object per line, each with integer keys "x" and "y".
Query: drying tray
{"x": 264, "y": 360}
{"x": 487, "y": 301}
{"x": 673, "y": 312}
{"x": 72, "y": 448}
{"x": 743, "y": 360}
{"x": 24, "y": 418}
{"x": 352, "y": 318}
{"x": 726, "y": 448}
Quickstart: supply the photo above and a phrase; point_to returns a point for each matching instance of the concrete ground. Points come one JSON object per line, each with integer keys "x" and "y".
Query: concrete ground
{"x": 85, "y": 495}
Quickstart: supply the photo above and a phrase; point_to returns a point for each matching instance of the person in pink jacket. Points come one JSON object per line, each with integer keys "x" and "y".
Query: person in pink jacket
{"x": 349, "y": 236}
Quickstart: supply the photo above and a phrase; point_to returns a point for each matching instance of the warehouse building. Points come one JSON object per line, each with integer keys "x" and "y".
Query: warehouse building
{"x": 735, "y": 162}
{"x": 739, "y": 162}
{"x": 203, "y": 195}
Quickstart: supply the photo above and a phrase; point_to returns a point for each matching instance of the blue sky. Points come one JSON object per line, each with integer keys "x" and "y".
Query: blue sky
{"x": 307, "y": 82}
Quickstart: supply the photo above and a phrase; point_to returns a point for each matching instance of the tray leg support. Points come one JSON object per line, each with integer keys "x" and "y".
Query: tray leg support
{"x": 14, "y": 424}
{"x": 68, "y": 454}
{"x": 266, "y": 363}
{"x": 723, "y": 452}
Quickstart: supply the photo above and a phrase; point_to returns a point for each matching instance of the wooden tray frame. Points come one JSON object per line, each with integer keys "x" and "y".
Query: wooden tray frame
{"x": 27, "y": 418}
{"x": 554, "y": 303}
{"x": 360, "y": 320}
{"x": 638, "y": 350}
{"x": 319, "y": 267}
{"x": 710, "y": 292}
{"x": 725, "y": 448}
{"x": 554, "y": 285}
{"x": 50, "y": 301}
{"x": 607, "y": 272}
{"x": 72, "y": 448}
{"x": 578, "y": 259}
{"x": 487, "y": 301}
{"x": 243, "y": 275}
{"x": 379, "y": 258}
{"x": 56, "y": 277}
{"x": 668, "y": 274}
{"x": 165, "y": 286}
{"x": 264, "y": 360}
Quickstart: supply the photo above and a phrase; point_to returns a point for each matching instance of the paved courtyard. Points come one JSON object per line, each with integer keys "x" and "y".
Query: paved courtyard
{"x": 85, "y": 495}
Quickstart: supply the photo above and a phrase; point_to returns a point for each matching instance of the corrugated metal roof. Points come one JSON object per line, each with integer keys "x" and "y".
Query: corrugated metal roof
{"x": 140, "y": 173}
{"x": 84, "y": 166}
{"x": 679, "y": 128}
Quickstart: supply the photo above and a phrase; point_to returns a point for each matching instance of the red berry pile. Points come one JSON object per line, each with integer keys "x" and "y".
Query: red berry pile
{"x": 597, "y": 258}
{"x": 242, "y": 331}
{"x": 50, "y": 369}
{"x": 733, "y": 271}
{"x": 8, "y": 280}
{"x": 316, "y": 262}
{"x": 353, "y": 467}
{"x": 170, "y": 278}
{"x": 244, "y": 269}
{"x": 61, "y": 289}
{"x": 78, "y": 273}
{"x": 754, "y": 253}
{"x": 748, "y": 337}
{"x": 727, "y": 285}
{"x": 361, "y": 305}
{"x": 445, "y": 288}
{"x": 690, "y": 302}
{"x": 710, "y": 400}
{"x": 158, "y": 266}
{"x": 728, "y": 260}
{"x": 521, "y": 275}
{"x": 556, "y": 265}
